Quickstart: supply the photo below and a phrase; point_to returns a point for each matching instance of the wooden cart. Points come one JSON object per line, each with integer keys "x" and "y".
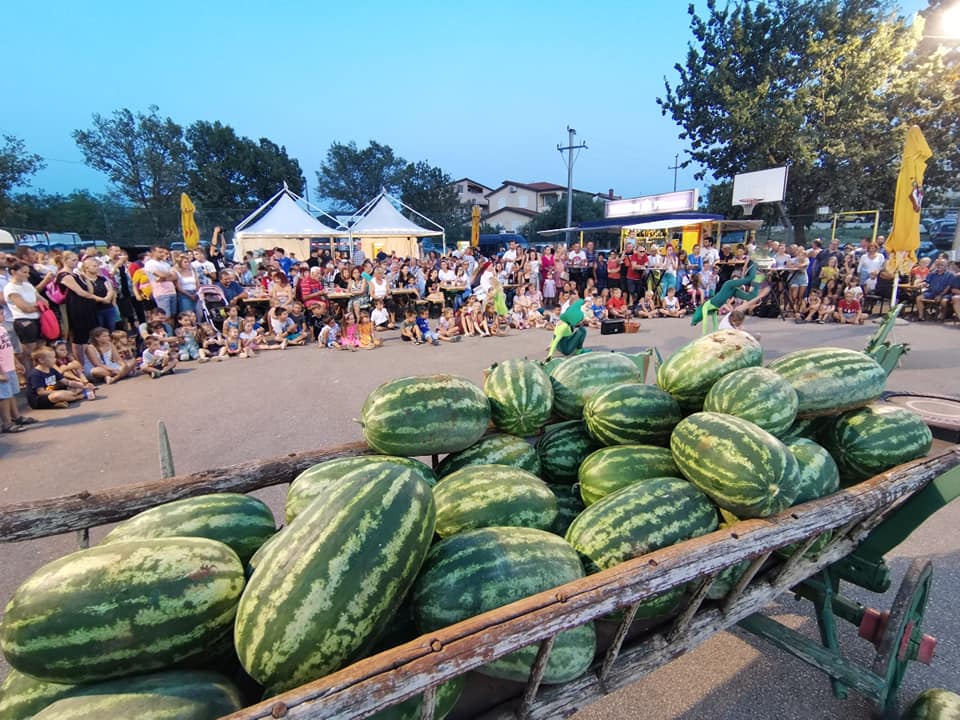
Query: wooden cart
{"x": 881, "y": 511}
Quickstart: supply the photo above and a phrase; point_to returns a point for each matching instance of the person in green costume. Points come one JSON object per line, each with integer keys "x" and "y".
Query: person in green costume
{"x": 569, "y": 334}
{"x": 731, "y": 288}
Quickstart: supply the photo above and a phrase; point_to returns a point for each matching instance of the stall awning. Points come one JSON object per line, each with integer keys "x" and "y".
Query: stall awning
{"x": 650, "y": 222}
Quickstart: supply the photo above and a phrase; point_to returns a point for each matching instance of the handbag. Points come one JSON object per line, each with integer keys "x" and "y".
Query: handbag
{"x": 55, "y": 293}
{"x": 49, "y": 325}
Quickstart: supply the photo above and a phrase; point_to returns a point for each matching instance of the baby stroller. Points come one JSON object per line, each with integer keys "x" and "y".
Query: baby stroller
{"x": 211, "y": 305}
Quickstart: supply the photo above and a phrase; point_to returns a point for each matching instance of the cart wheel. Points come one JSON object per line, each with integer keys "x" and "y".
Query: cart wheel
{"x": 902, "y": 639}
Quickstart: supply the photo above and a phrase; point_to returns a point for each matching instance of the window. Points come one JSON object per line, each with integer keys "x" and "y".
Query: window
{"x": 523, "y": 201}
{"x": 501, "y": 203}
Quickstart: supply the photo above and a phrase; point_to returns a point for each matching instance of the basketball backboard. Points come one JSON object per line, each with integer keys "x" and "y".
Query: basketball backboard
{"x": 752, "y": 188}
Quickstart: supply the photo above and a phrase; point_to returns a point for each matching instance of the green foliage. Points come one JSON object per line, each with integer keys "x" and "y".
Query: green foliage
{"x": 16, "y": 167}
{"x": 429, "y": 191}
{"x": 827, "y": 87}
{"x": 584, "y": 208}
{"x": 229, "y": 171}
{"x": 145, "y": 157}
{"x": 351, "y": 177}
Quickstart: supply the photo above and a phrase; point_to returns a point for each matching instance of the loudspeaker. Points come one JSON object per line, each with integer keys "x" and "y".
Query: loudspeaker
{"x": 611, "y": 327}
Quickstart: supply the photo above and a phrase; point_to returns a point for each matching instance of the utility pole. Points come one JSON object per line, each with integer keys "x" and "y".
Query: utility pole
{"x": 675, "y": 167}
{"x": 569, "y": 160}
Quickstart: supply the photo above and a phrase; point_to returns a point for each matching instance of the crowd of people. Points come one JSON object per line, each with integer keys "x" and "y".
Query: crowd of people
{"x": 119, "y": 317}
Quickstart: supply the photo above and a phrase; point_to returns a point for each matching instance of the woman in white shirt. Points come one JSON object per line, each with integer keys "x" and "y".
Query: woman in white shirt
{"x": 21, "y": 299}
{"x": 870, "y": 266}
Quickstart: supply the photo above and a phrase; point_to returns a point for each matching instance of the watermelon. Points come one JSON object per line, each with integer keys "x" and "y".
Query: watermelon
{"x": 612, "y": 468}
{"x": 631, "y": 413}
{"x": 756, "y": 394}
{"x": 520, "y": 395}
{"x": 329, "y": 584}
{"x": 195, "y": 695}
{"x": 638, "y": 519}
{"x": 743, "y": 468}
{"x": 254, "y": 561}
{"x": 548, "y": 366}
{"x": 242, "y": 522}
{"x": 578, "y": 378}
{"x": 692, "y": 370}
{"x": 22, "y": 696}
{"x": 934, "y": 704}
{"x": 873, "y": 439}
{"x": 447, "y": 695}
{"x": 818, "y": 473}
{"x": 830, "y": 380}
{"x": 562, "y": 448}
{"x": 569, "y": 505}
{"x": 424, "y": 415}
{"x": 121, "y": 609}
{"x": 727, "y": 578}
{"x": 807, "y": 427}
{"x": 314, "y": 481}
{"x": 492, "y": 495}
{"x": 494, "y": 450}
{"x": 480, "y": 570}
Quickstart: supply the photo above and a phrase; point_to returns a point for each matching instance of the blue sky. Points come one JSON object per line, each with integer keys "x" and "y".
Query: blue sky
{"x": 483, "y": 89}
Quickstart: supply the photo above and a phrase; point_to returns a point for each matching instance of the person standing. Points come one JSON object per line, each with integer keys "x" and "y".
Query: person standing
{"x": 22, "y": 299}
{"x": 162, "y": 281}
{"x": 188, "y": 284}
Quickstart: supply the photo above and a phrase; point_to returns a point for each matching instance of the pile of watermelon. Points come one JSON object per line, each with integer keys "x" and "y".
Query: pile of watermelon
{"x": 197, "y": 607}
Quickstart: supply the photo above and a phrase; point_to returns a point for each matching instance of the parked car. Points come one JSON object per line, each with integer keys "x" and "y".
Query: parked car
{"x": 942, "y": 233}
{"x": 928, "y": 249}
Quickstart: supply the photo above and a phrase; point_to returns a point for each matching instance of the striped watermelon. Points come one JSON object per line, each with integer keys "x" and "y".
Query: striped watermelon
{"x": 548, "y": 366}
{"x": 447, "y": 696}
{"x": 193, "y": 695}
{"x": 728, "y": 577}
{"x": 576, "y": 379}
{"x": 873, "y": 439}
{"x": 424, "y": 415}
{"x": 613, "y": 468}
{"x": 562, "y": 448}
{"x": 480, "y": 570}
{"x": 830, "y": 380}
{"x": 692, "y": 370}
{"x": 492, "y": 495}
{"x": 808, "y": 428}
{"x": 756, "y": 394}
{"x": 818, "y": 473}
{"x": 242, "y": 522}
{"x": 121, "y": 609}
{"x": 22, "y": 696}
{"x": 314, "y": 481}
{"x": 638, "y": 519}
{"x": 254, "y": 561}
{"x": 743, "y": 468}
{"x": 520, "y": 395}
{"x": 494, "y": 450}
{"x": 569, "y": 505}
{"x": 631, "y": 413}
{"x": 337, "y": 574}
{"x": 934, "y": 704}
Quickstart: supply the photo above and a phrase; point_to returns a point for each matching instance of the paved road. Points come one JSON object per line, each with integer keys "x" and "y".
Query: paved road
{"x": 303, "y": 399}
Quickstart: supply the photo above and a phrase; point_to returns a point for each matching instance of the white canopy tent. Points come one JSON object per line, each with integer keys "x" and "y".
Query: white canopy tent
{"x": 282, "y": 222}
{"x": 382, "y": 227}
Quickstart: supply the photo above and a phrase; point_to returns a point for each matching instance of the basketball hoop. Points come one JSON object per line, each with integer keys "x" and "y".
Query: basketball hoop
{"x": 748, "y": 204}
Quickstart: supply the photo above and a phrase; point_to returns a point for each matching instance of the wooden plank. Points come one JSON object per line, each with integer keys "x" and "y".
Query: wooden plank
{"x": 42, "y": 518}
{"x": 536, "y": 677}
{"x": 383, "y": 680}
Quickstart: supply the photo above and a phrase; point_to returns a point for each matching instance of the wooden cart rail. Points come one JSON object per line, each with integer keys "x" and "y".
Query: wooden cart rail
{"x": 388, "y": 678}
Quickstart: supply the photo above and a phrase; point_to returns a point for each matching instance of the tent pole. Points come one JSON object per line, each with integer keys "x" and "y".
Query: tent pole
{"x": 444, "y": 236}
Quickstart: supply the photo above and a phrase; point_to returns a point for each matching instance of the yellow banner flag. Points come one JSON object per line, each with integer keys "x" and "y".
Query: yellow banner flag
{"x": 191, "y": 234}
{"x": 475, "y": 226}
{"x": 905, "y": 236}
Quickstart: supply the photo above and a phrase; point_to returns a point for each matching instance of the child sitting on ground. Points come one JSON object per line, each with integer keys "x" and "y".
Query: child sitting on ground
{"x": 423, "y": 323}
{"x": 491, "y": 319}
{"x": 158, "y": 360}
{"x": 233, "y": 345}
{"x": 616, "y": 305}
{"x": 447, "y": 327}
{"x": 848, "y": 310}
{"x": 647, "y": 307}
{"x": 409, "y": 330}
{"x": 67, "y": 364}
{"x": 671, "y": 304}
{"x": 380, "y": 317}
{"x": 282, "y": 328}
{"x": 46, "y": 387}
{"x": 212, "y": 344}
{"x": 350, "y": 338}
{"x": 329, "y": 334}
{"x": 187, "y": 335}
{"x": 811, "y": 307}
{"x": 233, "y": 319}
{"x": 315, "y": 321}
{"x": 368, "y": 340}
{"x": 125, "y": 348}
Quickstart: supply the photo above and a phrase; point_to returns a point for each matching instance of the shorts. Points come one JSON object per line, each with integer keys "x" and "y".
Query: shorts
{"x": 14, "y": 340}
{"x": 850, "y": 315}
{"x": 800, "y": 281}
{"x": 11, "y": 387}
{"x": 39, "y": 402}
{"x": 634, "y": 286}
{"x": 27, "y": 329}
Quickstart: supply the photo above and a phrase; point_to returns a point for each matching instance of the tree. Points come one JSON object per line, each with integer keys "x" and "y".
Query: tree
{"x": 229, "y": 171}
{"x": 429, "y": 191}
{"x": 827, "y": 87}
{"x": 144, "y": 156}
{"x": 585, "y": 208}
{"x": 16, "y": 167}
{"x": 351, "y": 177}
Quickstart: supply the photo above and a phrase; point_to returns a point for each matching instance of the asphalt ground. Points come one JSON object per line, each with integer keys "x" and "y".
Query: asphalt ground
{"x": 304, "y": 398}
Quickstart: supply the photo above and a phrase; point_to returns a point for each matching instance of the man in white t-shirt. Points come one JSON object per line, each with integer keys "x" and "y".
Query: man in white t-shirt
{"x": 162, "y": 281}
{"x": 709, "y": 253}
{"x": 509, "y": 257}
{"x": 206, "y": 270}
